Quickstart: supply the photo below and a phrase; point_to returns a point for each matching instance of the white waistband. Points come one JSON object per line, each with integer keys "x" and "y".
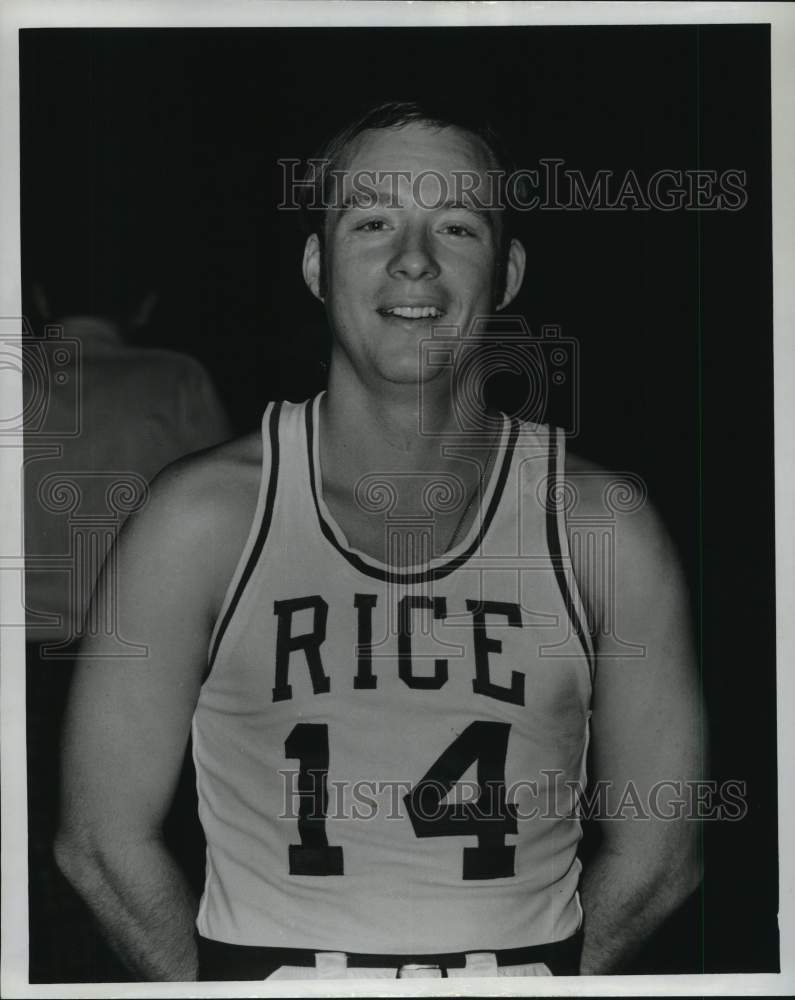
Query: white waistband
{"x": 334, "y": 965}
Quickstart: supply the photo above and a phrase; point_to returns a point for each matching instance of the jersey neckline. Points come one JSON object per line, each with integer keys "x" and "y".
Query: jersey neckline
{"x": 437, "y": 567}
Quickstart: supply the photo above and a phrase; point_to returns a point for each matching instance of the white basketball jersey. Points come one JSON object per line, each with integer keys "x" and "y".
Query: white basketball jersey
{"x": 387, "y": 760}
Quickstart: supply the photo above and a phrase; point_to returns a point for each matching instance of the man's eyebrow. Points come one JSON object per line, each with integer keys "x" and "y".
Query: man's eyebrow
{"x": 386, "y": 199}
{"x": 368, "y": 199}
{"x": 483, "y": 213}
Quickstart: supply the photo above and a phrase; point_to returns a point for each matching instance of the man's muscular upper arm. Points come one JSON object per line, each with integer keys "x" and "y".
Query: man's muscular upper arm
{"x": 128, "y": 717}
{"x": 647, "y": 725}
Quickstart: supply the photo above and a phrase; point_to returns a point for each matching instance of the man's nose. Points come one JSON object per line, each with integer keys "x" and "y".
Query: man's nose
{"x": 414, "y": 257}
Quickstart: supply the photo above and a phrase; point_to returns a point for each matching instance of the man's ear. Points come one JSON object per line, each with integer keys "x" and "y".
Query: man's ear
{"x": 514, "y": 273}
{"x": 313, "y": 263}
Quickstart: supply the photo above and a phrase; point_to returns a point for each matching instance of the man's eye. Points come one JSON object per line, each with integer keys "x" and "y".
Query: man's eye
{"x": 456, "y": 229}
{"x": 372, "y": 226}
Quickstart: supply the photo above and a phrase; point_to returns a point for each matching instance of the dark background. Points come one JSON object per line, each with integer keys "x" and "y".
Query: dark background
{"x": 149, "y": 158}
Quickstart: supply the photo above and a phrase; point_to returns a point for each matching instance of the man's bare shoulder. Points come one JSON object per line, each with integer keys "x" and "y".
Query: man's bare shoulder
{"x": 643, "y": 555}
{"x": 220, "y": 482}
{"x": 597, "y": 493}
{"x": 198, "y": 516}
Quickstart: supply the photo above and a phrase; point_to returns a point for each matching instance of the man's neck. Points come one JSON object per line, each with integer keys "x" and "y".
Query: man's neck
{"x": 389, "y": 433}
{"x": 391, "y": 427}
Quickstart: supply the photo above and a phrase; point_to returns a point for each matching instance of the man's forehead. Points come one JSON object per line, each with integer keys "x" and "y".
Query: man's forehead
{"x": 407, "y": 149}
{"x": 433, "y": 166}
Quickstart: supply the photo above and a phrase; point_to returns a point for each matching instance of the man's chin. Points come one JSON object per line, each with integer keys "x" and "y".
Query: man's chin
{"x": 416, "y": 374}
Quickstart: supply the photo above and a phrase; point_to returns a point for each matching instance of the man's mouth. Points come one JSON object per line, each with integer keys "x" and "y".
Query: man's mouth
{"x": 413, "y": 312}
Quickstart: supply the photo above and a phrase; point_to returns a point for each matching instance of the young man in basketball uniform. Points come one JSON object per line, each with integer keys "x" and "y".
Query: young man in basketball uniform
{"x": 389, "y": 654}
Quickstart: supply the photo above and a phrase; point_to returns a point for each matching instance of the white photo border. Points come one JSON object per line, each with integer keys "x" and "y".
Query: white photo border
{"x": 18, "y": 14}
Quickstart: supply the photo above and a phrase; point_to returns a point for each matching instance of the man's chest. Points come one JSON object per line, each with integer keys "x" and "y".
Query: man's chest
{"x": 405, "y": 519}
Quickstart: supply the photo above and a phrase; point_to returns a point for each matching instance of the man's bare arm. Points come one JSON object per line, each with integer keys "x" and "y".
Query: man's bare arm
{"x": 646, "y": 728}
{"x": 128, "y": 722}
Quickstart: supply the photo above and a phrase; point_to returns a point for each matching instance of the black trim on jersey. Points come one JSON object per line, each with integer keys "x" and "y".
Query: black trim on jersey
{"x": 435, "y": 573}
{"x": 262, "y": 534}
{"x": 553, "y": 541}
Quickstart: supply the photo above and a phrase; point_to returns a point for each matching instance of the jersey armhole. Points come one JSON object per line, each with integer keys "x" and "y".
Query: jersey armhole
{"x": 258, "y": 532}
{"x": 559, "y": 544}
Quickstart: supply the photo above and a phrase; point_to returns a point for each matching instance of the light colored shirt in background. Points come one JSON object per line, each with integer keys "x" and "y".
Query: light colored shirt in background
{"x": 102, "y": 418}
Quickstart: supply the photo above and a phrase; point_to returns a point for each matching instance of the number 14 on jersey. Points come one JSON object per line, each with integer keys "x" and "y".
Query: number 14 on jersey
{"x": 489, "y": 818}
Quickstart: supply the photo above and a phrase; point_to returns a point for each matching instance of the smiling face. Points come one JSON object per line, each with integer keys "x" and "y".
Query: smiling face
{"x": 408, "y": 249}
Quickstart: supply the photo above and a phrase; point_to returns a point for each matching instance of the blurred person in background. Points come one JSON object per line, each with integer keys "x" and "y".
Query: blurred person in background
{"x": 103, "y": 415}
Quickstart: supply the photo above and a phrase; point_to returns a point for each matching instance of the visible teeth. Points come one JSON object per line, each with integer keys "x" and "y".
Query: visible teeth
{"x": 415, "y": 312}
